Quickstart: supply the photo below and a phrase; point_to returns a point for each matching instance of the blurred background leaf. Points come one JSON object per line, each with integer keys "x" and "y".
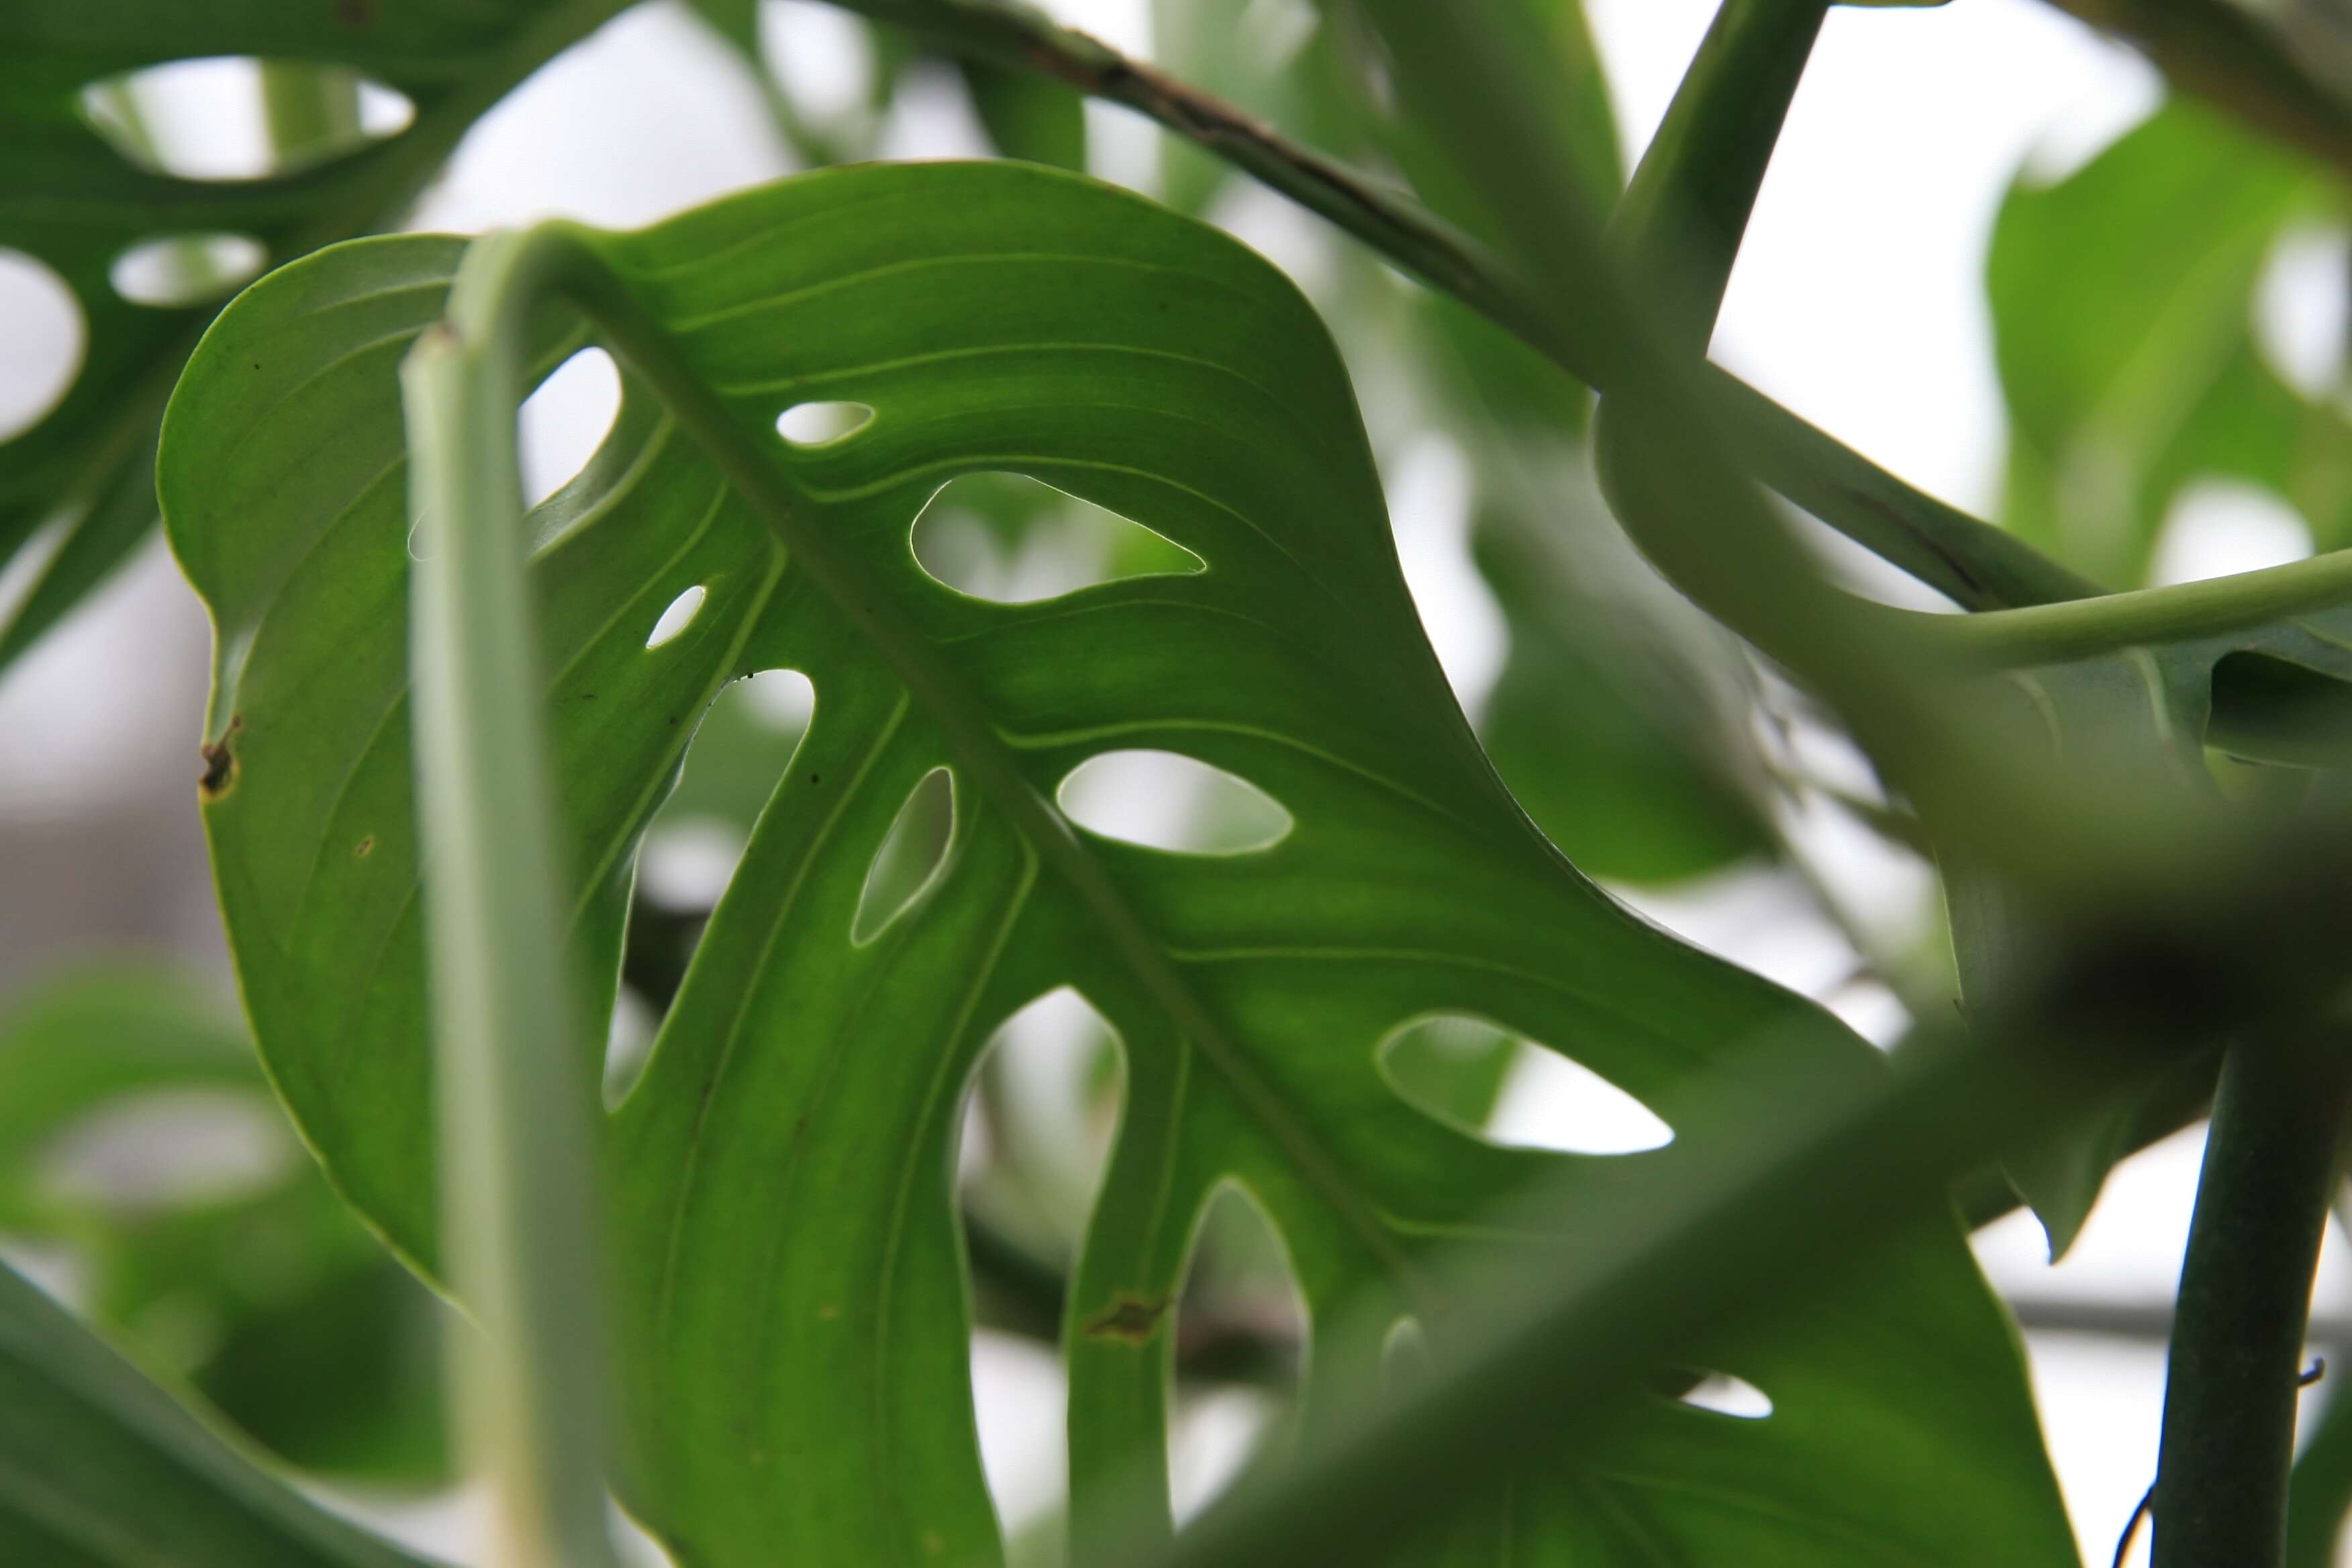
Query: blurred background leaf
{"x": 137, "y": 1133}
{"x": 104, "y": 1470}
{"x": 2124, "y": 301}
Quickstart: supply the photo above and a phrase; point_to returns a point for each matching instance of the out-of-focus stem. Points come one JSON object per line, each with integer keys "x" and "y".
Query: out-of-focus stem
{"x": 2238, "y": 1326}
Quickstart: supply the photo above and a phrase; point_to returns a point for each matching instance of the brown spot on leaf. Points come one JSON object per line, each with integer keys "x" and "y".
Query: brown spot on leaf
{"x": 366, "y": 848}
{"x": 1130, "y": 1317}
{"x": 220, "y": 764}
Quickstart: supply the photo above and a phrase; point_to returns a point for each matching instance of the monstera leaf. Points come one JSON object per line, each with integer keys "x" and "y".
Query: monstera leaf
{"x": 791, "y": 1304}
{"x": 89, "y": 192}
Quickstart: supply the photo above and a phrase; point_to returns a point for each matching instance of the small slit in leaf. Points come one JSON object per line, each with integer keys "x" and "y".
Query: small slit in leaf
{"x": 179, "y": 270}
{"x": 822, "y": 424}
{"x": 1405, "y": 1354}
{"x": 208, "y": 119}
{"x": 1163, "y": 800}
{"x": 909, "y": 858}
{"x": 1716, "y": 1392}
{"x": 678, "y": 617}
{"x": 1478, "y": 1077}
{"x": 1013, "y": 540}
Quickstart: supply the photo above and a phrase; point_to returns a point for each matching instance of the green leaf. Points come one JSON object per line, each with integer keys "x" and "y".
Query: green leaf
{"x": 84, "y": 1038}
{"x": 273, "y": 1301}
{"x": 2122, "y": 302}
{"x": 1616, "y": 720}
{"x": 76, "y": 198}
{"x": 792, "y": 1302}
{"x": 104, "y": 1470}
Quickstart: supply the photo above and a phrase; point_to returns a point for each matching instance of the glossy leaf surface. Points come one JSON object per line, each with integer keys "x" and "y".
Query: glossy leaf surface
{"x": 792, "y": 1301}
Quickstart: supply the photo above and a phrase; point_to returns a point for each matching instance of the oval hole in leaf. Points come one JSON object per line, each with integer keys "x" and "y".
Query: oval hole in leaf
{"x": 208, "y": 119}
{"x": 1162, "y": 800}
{"x": 1239, "y": 1304}
{"x": 1475, "y": 1076}
{"x": 910, "y": 856}
{"x": 171, "y": 1149}
{"x": 678, "y": 617}
{"x": 1717, "y": 1392}
{"x": 179, "y": 270}
{"x": 822, "y": 424}
{"x": 1013, "y": 540}
{"x": 564, "y": 420}
{"x": 40, "y": 354}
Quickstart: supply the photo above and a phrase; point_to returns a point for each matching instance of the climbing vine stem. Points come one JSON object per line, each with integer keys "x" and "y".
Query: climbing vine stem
{"x": 2245, "y": 1296}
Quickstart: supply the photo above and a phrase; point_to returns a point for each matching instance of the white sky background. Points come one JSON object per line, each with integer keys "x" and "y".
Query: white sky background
{"x": 1857, "y": 300}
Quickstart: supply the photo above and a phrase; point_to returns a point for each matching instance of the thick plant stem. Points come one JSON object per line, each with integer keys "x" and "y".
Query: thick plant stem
{"x": 1683, "y": 217}
{"x": 513, "y": 1073}
{"x": 2245, "y": 1295}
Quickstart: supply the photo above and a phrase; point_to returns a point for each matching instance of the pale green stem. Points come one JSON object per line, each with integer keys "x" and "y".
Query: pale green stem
{"x": 2044, "y": 633}
{"x": 514, "y": 1073}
